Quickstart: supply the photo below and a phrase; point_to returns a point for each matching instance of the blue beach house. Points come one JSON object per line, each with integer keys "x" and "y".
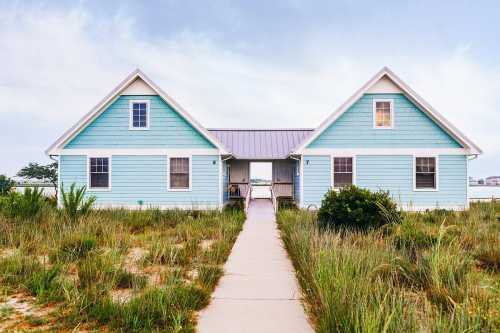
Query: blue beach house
{"x": 138, "y": 147}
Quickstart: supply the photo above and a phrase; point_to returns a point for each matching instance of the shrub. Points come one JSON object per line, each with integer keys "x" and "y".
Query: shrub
{"x": 74, "y": 247}
{"x": 27, "y": 205}
{"x": 45, "y": 285}
{"x": 208, "y": 276}
{"x": 235, "y": 205}
{"x": 357, "y": 208}
{"x": 6, "y": 184}
{"x": 75, "y": 205}
{"x": 22, "y": 271}
{"x": 168, "y": 309}
{"x": 488, "y": 257}
{"x": 285, "y": 203}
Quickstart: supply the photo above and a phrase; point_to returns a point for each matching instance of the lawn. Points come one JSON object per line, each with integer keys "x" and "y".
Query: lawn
{"x": 111, "y": 270}
{"x": 431, "y": 272}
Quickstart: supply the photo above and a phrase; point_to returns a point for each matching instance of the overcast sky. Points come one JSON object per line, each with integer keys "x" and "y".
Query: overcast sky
{"x": 244, "y": 64}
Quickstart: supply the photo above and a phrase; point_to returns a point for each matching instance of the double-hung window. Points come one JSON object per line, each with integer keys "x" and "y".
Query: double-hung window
{"x": 180, "y": 173}
{"x": 139, "y": 115}
{"x": 383, "y": 114}
{"x": 342, "y": 171}
{"x": 425, "y": 173}
{"x": 99, "y": 173}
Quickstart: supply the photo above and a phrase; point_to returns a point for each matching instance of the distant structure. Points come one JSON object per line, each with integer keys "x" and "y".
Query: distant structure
{"x": 493, "y": 181}
{"x": 473, "y": 182}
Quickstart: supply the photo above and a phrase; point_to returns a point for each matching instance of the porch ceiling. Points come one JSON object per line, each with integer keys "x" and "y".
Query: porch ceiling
{"x": 260, "y": 144}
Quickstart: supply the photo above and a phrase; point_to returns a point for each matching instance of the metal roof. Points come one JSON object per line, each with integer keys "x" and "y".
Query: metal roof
{"x": 261, "y": 144}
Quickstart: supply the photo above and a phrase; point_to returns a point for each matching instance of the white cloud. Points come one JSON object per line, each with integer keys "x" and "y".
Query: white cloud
{"x": 57, "y": 65}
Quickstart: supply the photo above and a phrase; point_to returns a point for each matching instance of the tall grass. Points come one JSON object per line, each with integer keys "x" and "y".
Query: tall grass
{"x": 117, "y": 270}
{"x": 423, "y": 274}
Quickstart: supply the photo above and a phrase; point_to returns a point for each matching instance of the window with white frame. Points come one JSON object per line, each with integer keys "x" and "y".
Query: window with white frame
{"x": 383, "y": 115}
{"x": 99, "y": 172}
{"x": 342, "y": 171}
{"x": 425, "y": 173}
{"x": 139, "y": 114}
{"x": 179, "y": 173}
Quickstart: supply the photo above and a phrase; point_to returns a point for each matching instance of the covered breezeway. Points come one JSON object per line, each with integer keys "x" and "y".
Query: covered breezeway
{"x": 272, "y": 147}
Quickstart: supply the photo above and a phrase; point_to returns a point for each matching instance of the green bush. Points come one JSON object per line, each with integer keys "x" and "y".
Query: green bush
{"x": 6, "y": 184}
{"x": 235, "y": 205}
{"x": 27, "y": 205}
{"x": 74, "y": 247}
{"x": 356, "y": 208}
{"x": 75, "y": 205}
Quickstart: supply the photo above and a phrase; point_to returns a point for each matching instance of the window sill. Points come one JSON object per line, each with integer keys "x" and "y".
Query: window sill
{"x": 179, "y": 189}
{"x": 383, "y": 128}
{"x": 138, "y": 128}
{"x": 98, "y": 189}
{"x": 425, "y": 190}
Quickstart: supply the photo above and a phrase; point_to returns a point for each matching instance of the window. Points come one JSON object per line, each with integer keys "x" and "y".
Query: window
{"x": 99, "y": 173}
{"x": 139, "y": 114}
{"x": 342, "y": 171}
{"x": 425, "y": 173}
{"x": 383, "y": 113}
{"x": 179, "y": 173}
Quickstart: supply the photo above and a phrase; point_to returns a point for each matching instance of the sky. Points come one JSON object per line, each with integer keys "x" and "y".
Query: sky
{"x": 244, "y": 63}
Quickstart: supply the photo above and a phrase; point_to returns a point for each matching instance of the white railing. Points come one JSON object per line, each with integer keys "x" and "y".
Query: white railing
{"x": 238, "y": 190}
{"x": 248, "y": 196}
{"x": 283, "y": 190}
{"x": 274, "y": 199}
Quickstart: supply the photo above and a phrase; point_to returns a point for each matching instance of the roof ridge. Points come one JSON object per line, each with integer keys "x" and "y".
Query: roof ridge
{"x": 260, "y": 129}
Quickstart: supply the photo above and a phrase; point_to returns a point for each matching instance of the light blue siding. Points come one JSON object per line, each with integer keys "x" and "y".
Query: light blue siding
{"x": 317, "y": 179}
{"x": 167, "y": 129}
{"x": 412, "y": 128}
{"x": 296, "y": 182}
{"x": 135, "y": 178}
{"x": 393, "y": 173}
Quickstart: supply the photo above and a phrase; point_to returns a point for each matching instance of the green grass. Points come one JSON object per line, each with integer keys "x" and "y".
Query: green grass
{"x": 80, "y": 267}
{"x": 432, "y": 272}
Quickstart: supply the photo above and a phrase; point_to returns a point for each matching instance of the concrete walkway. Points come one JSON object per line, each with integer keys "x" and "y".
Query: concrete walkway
{"x": 258, "y": 292}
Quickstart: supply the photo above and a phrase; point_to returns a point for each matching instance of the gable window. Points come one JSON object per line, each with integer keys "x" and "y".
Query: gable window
{"x": 342, "y": 171}
{"x": 139, "y": 115}
{"x": 425, "y": 173}
{"x": 180, "y": 173}
{"x": 99, "y": 173}
{"x": 383, "y": 113}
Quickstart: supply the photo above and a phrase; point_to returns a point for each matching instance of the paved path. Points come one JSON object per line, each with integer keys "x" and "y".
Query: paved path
{"x": 258, "y": 292}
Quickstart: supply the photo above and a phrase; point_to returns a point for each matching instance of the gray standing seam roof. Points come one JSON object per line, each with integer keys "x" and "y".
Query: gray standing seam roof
{"x": 261, "y": 144}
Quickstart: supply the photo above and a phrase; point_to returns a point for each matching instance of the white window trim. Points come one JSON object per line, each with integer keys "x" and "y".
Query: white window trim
{"x": 99, "y": 189}
{"x": 131, "y": 117}
{"x": 415, "y": 189}
{"x": 332, "y": 180}
{"x": 189, "y": 189}
{"x": 374, "y": 111}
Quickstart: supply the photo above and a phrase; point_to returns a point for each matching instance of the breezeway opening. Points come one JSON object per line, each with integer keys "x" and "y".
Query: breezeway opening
{"x": 261, "y": 175}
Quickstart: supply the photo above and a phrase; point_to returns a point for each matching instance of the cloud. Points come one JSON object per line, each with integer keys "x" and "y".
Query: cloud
{"x": 58, "y": 64}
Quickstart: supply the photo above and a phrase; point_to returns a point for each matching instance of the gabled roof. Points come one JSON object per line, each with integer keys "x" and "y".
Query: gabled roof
{"x": 112, "y": 96}
{"x": 261, "y": 144}
{"x": 410, "y": 94}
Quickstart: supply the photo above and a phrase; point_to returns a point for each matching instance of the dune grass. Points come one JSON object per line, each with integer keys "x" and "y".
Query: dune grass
{"x": 432, "y": 272}
{"x": 112, "y": 270}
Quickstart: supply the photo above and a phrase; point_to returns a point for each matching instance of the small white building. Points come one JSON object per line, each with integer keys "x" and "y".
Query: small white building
{"x": 493, "y": 181}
